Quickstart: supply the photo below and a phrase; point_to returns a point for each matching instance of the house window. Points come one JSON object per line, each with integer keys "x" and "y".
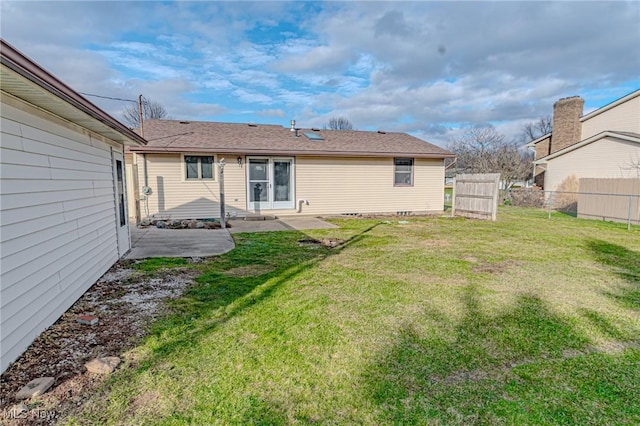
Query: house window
{"x": 198, "y": 167}
{"x": 403, "y": 172}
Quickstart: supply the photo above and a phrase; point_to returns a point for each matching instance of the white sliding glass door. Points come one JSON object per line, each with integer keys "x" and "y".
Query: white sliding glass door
{"x": 270, "y": 183}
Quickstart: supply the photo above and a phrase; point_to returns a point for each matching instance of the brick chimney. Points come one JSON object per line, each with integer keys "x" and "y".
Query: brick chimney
{"x": 567, "y": 128}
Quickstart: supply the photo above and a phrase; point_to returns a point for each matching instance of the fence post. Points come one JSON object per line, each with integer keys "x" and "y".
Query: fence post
{"x": 496, "y": 191}
{"x": 453, "y": 199}
{"x": 630, "y": 212}
{"x": 550, "y": 202}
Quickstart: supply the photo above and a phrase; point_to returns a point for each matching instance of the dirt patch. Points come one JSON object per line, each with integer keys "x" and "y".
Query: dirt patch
{"x": 495, "y": 267}
{"x": 435, "y": 243}
{"x": 148, "y": 403}
{"x": 248, "y": 271}
{"x": 124, "y": 300}
{"x": 327, "y": 242}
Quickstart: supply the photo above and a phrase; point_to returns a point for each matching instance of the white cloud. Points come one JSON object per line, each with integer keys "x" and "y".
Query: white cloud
{"x": 271, "y": 113}
{"x": 420, "y": 67}
{"x": 251, "y": 97}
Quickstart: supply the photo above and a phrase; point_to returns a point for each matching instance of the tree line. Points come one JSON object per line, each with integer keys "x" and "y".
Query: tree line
{"x": 485, "y": 150}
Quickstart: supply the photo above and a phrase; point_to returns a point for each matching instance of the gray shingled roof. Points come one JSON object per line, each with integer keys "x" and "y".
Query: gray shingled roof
{"x": 256, "y": 139}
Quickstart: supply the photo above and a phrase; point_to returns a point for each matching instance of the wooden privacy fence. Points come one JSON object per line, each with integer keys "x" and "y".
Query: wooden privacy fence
{"x": 617, "y": 200}
{"x": 476, "y": 195}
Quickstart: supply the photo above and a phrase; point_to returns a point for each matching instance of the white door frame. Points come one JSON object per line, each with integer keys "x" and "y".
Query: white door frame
{"x": 120, "y": 199}
{"x": 270, "y": 203}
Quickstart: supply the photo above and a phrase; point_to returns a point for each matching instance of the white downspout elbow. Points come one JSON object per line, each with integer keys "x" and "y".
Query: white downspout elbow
{"x": 300, "y": 202}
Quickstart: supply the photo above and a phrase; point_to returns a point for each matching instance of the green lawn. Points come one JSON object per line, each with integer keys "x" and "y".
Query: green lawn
{"x": 436, "y": 321}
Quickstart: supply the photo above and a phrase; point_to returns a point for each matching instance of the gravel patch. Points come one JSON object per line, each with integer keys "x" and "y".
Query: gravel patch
{"x": 125, "y": 301}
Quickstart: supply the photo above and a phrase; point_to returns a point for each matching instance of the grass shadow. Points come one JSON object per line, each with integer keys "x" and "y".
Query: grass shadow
{"x": 267, "y": 260}
{"x": 217, "y": 297}
{"x": 456, "y": 377}
{"x": 606, "y": 326}
{"x": 625, "y": 264}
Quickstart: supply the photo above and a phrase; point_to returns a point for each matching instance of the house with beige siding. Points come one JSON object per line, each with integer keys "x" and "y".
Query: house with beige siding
{"x": 63, "y": 219}
{"x": 604, "y": 143}
{"x": 276, "y": 170}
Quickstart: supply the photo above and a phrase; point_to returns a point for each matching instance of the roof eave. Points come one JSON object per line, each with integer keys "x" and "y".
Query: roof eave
{"x": 19, "y": 64}
{"x": 540, "y": 139}
{"x": 606, "y": 133}
{"x": 610, "y": 105}
{"x": 320, "y": 153}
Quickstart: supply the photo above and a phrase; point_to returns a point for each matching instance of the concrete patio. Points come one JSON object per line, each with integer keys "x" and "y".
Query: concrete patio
{"x": 154, "y": 242}
{"x": 293, "y": 223}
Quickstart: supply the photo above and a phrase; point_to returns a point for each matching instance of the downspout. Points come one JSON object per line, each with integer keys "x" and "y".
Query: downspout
{"x": 300, "y": 202}
{"x": 144, "y": 163}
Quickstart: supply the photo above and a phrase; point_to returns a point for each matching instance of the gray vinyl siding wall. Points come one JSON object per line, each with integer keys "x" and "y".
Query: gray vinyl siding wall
{"x": 57, "y": 220}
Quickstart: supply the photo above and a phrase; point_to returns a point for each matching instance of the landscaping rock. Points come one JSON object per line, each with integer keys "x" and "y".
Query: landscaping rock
{"x": 87, "y": 319}
{"x": 35, "y": 387}
{"x": 175, "y": 223}
{"x": 145, "y": 222}
{"x": 192, "y": 225}
{"x": 104, "y": 365}
{"x": 199, "y": 225}
{"x": 161, "y": 224}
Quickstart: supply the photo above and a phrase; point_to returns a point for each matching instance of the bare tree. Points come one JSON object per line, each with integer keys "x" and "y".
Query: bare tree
{"x": 150, "y": 110}
{"x": 534, "y": 129}
{"x": 633, "y": 165}
{"x": 484, "y": 150}
{"x": 474, "y": 149}
{"x": 339, "y": 123}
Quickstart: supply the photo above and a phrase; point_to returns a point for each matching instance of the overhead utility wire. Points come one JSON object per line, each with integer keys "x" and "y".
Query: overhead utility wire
{"x": 108, "y": 97}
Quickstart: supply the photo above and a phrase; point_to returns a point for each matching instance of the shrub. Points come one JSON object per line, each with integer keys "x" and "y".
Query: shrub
{"x": 565, "y": 199}
{"x": 525, "y": 197}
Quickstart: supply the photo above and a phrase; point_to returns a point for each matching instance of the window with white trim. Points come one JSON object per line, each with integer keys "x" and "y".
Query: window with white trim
{"x": 403, "y": 172}
{"x": 198, "y": 167}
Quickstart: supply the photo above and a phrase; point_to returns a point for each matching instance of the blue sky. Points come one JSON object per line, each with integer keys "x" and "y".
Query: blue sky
{"x": 426, "y": 68}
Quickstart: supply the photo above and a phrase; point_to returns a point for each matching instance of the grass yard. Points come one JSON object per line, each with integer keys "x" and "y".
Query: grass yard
{"x": 438, "y": 321}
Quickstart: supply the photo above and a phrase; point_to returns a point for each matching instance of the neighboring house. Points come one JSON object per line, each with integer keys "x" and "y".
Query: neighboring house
{"x": 602, "y": 144}
{"x": 273, "y": 170}
{"x": 63, "y": 218}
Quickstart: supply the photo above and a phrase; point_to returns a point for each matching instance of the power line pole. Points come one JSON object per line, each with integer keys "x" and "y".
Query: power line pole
{"x": 140, "y": 116}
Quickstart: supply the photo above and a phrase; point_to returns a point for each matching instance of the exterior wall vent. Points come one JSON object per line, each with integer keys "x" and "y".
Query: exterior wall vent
{"x": 252, "y": 125}
{"x": 382, "y": 132}
{"x": 185, "y": 122}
